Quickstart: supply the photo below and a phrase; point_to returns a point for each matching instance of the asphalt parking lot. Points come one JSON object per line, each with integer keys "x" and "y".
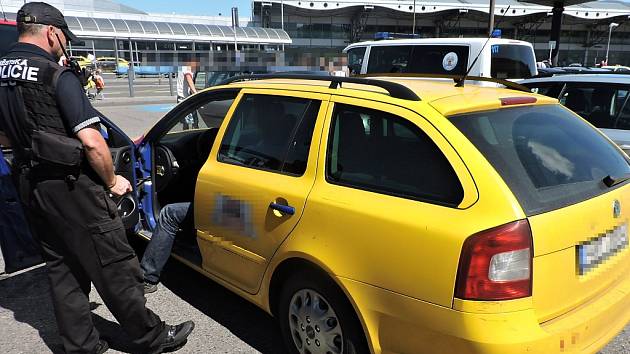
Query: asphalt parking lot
{"x": 224, "y": 322}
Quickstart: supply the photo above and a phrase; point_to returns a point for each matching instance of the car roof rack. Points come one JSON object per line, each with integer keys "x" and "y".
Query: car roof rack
{"x": 394, "y": 89}
{"x": 459, "y": 81}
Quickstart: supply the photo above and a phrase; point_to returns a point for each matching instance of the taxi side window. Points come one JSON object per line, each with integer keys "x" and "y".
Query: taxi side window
{"x": 270, "y": 133}
{"x": 206, "y": 114}
{"x": 384, "y": 153}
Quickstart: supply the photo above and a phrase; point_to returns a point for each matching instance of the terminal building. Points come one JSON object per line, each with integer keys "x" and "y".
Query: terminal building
{"x": 313, "y": 32}
{"x": 326, "y": 26}
{"x": 109, "y": 29}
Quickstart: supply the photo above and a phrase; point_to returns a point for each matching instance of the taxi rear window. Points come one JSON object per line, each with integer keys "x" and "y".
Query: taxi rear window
{"x": 546, "y": 155}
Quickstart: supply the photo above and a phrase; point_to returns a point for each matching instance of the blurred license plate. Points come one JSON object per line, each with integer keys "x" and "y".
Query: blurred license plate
{"x": 592, "y": 253}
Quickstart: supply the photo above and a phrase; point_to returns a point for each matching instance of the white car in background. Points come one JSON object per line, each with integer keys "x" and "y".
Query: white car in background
{"x": 617, "y": 68}
{"x": 602, "y": 99}
{"x": 500, "y": 58}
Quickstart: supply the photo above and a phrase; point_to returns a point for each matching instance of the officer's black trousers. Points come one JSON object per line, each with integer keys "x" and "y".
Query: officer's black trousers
{"x": 83, "y": 241}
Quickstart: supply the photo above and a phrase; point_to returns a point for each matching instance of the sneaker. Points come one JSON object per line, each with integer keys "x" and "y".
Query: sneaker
{"x": 149, "y": 287}
{"x": 176, "y": 337}
{"x": 101, "y": 347}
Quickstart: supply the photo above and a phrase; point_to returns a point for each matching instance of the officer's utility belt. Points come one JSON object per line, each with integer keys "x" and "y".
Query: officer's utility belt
{"x": 54, "y": 156}
{"x": 42, "y": 172}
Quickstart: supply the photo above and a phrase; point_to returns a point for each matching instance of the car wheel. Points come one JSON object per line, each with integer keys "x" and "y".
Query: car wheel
{"x": 315, "y": 317}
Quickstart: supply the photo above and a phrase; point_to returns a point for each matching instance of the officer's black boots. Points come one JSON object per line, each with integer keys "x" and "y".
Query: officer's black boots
{"x": 176, "y": 337}
{"x": 101, "y": 347}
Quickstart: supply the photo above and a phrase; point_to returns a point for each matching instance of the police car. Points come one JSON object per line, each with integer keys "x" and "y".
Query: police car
{"x": 487, "y": 57}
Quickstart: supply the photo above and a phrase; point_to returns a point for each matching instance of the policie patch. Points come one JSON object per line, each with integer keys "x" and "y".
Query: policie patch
{"x": 17, "y": 70}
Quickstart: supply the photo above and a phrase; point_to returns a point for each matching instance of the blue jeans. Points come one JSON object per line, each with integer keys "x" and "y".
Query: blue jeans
{"x": 172, "y": 218}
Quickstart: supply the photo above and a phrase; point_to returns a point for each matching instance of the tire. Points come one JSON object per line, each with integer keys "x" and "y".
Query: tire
{"x": 305, "y": 331}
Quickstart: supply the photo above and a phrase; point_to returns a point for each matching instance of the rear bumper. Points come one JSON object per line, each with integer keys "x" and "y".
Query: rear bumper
{"x": 399, "y": 324}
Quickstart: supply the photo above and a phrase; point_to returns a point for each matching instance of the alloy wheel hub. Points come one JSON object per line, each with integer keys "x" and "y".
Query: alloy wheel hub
{"x": 314, "y": 324}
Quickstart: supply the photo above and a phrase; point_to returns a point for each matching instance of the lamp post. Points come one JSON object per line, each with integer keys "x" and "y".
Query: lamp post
{"x": 610, "y": 28}
{"x": 282, "y": 18}
{"x": 413, "y": 30}
{"x": 491, "y": 18}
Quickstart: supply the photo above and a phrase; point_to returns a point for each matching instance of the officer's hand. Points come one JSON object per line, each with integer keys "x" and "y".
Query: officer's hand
{"x": 121, "y": 187}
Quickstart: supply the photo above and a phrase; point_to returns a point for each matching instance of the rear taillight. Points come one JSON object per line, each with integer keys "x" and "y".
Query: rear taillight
{"x": 496, "y": 264}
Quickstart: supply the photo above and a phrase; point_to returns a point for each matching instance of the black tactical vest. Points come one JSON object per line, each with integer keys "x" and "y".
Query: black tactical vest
{"x": 28, "y": 101}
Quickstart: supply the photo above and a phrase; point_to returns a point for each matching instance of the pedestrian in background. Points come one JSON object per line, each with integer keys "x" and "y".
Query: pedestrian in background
{"x": 90, "y": 86}
{"x": 66, "y": 177}
{"x": 99, "y": 83}
{"x": 185, "y": 88}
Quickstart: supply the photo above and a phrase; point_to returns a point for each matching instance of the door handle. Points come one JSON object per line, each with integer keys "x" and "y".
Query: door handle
{"x": 285, "y": 209}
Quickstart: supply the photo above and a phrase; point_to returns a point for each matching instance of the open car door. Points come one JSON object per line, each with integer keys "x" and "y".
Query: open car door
{"x": 171, "y": 155}
{"x": 124, "y": 157}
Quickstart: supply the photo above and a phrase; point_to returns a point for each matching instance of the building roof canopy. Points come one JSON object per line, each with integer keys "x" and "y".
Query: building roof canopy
{"x": 593, "y": 10}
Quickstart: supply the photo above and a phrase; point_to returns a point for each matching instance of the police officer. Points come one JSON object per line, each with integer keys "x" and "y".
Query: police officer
{"x": 65, "y": 168}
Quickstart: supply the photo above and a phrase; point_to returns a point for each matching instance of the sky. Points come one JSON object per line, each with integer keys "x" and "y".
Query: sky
{"x": 191, "y": 7}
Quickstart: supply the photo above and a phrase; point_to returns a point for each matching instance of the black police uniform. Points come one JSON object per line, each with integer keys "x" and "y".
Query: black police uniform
{"x": 42, "y": 107}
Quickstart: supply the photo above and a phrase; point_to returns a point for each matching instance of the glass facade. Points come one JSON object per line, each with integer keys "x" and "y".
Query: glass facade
{"x": 316, "y": 28}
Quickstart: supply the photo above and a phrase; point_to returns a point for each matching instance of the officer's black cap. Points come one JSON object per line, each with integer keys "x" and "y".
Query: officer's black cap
{"x": 45, "y": 14}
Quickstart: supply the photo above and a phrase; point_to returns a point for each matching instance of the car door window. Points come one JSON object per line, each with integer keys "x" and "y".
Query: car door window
{"x": 578, "y": 99}
{"x": 200, "y": 80}
{"x": 622, "y": 110}
{"x": 389, "y": 59}
{"x": 384, "y": 153}
{"x": 270, "y": 133}
{"x": 203, "y": 115}
{"x": 551, "y": 90}
{"x": 599, "y": 104}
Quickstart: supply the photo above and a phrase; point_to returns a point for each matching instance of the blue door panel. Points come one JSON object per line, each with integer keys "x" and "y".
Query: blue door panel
{"x": 18, "y": 247}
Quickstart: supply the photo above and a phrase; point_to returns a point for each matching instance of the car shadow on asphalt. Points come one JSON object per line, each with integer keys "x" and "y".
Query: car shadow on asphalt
{"x": 243, "y": 319}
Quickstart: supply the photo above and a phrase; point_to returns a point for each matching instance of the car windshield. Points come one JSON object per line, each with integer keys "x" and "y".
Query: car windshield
{"x": 512, "y": 61}
{"x": 355, "y": 60}
{"x": 548, "y": 157}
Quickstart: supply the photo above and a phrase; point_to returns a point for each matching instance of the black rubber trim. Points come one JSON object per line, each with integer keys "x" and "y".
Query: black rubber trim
{"x": 459, "y": 81}
{"x": 394, "y": 89}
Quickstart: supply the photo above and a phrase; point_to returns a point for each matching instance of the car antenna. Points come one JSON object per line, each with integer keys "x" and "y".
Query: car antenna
{"x": 460, "y": 82}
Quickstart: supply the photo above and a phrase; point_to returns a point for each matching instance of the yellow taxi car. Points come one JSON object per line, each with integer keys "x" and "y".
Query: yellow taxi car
{"x": 82, "y": 61}
{"x": 393, "y": 215}
{"x": 111, "y": 63}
